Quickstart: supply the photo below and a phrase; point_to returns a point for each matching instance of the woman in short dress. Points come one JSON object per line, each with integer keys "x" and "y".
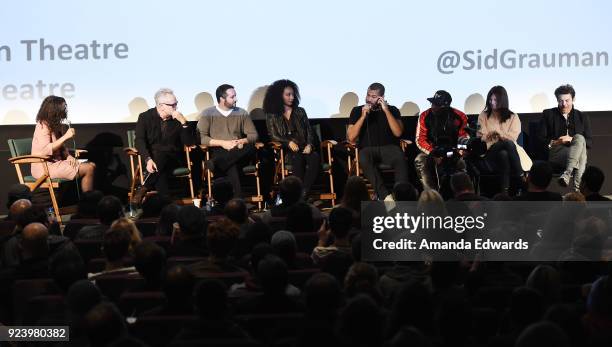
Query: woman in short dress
{"x": 49, "y": 139}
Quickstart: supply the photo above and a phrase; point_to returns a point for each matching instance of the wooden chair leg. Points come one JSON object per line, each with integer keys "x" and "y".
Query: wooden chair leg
{"x": 58, "y": 217}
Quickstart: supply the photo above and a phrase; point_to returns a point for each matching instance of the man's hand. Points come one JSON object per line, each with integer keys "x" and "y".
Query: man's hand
{"x": 151, "y": 166}
{"x": 383, "y": 104}
{"x": 307, "y": 149}
{"x": 365, "y": 110}
{"x": 179, "y": 117}
{"x": 293, "y": 146}
{"x": 229, "y": 144}
{"x": 565, "y": 139}
{"x": 323, "y": 233}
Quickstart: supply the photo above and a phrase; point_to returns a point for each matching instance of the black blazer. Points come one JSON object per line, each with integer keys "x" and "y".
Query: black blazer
{"x": 149, "y": 140}
{"x": 554, "y": 125}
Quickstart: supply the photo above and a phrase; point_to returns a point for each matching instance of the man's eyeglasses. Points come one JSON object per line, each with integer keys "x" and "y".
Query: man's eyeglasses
{"x": 171, "y": 105}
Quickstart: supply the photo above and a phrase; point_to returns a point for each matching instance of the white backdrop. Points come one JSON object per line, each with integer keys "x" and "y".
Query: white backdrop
{"x": 329, "y": 48}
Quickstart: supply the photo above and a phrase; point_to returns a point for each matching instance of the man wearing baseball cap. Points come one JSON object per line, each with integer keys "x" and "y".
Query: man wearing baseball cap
{"x": 439, "y": 126}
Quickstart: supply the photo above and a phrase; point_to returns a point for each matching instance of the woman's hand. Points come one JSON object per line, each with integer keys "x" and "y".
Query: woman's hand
{"x": 72, "y": 161}
{"x": 293, "y": 146}
{"x": 307, "y": 149}
{"x": 69, "y": 134}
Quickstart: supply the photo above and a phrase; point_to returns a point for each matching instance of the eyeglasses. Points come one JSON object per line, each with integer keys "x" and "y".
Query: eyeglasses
{"x": 171, "y": 105}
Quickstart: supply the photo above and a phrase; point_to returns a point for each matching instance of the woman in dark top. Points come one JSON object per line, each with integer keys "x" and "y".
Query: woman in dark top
{"x": 288, "y": 124}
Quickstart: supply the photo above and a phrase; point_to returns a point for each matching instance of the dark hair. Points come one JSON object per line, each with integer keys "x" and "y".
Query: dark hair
{"x": 222, "y": 191}
{"x": 355, "y": 191}
{"x": 540, "y": 174}
{"x": 17, "y": 192}
{"x": 460, "y": 182}
{"x": 178, "y": 284}
{"x": 565, "y": 89}
{"x": 236, "y": 210}
{"x": 211, "y": 299}
{"x": 502, "y": 103}
{"x": 299, "y": 218}
{"x": 593, "y": 178}
{"x": 150, "y": 260}
{"x": 167, "y": 218}
{"x": 221, "y": 237}
{"x": 273, "y": 100}
{"x": 116, "y": 244}
{"x": 340, "y": 221}
{"x": 153, "y": 205}
{"x": 221, "y": 91}
{"x": 273, "y": 274}
{"x": 109, "y": 209}
{"x": 192, "y": 220}
{"x": 405, "y": 191}
{"x": 51, "y": 113}
{"x": 291, "y": 190}
{"x": 104, "y": 324}
{"x": 88, "y": 204}
{"x": 322, "y": 294}
{"x": 378, "y": 87}
{"x": 66, "y": 268}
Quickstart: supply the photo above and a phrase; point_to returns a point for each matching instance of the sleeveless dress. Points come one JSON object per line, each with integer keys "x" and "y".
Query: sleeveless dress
{"x": 59, "y": 167}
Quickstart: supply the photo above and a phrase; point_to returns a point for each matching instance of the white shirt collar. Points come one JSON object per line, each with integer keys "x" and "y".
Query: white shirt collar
{"x": 224, "y": 112}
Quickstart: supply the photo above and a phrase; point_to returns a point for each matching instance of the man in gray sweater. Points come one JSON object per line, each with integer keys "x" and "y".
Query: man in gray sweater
{"x": 229, "y": 133}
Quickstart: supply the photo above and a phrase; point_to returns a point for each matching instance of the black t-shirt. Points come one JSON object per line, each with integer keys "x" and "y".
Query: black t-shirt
{"x": 375, "y": 130}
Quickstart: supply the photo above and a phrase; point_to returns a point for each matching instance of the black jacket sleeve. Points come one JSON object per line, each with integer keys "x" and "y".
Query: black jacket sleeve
{"x": 141, "y": 136}
{"x": 187, "y": 135}
{"x": 587, "y": 133}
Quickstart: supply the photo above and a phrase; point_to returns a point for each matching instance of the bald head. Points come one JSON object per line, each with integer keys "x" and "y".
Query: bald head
{"x": 18, "y": 208}
{"x": 34, "y": 241}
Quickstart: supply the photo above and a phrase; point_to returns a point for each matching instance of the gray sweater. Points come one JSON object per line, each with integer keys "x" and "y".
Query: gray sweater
{"x": 237, "y": 125}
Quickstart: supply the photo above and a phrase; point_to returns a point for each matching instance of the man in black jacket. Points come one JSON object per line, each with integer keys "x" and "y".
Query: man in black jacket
{"x": 567, "y": 132}
{"x": 161, "y": 133}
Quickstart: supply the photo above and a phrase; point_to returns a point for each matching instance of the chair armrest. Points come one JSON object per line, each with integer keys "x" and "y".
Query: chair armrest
{"x": 131, "y": 151}
{"x": 275, "y": 145}
{"x": 328, "y": 143}
{"x": 29, "y": 159}
{"x": 204, "y": 147}
{"x": 189, "y": 148}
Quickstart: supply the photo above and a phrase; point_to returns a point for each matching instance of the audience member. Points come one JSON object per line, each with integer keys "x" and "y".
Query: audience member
{"x": 538, "y": 180}
{"x": 221, "y": 238}
{"x": 339, "y": 226}
{"x": 591, "y": 183}
{"x": 178, "y": 284}
{"x": 108, "y": 210}
{"x": 190, "y": 238}
{"x": 150, "y": 262}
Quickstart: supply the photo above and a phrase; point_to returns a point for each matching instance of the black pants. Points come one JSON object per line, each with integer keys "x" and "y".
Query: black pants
{"x": 228, "y": 162}
{"x": 504, "y": 160}
{"x": 300, "y": 161}
{"x": 371, "y": 157}
{"x": 166, "y": 163}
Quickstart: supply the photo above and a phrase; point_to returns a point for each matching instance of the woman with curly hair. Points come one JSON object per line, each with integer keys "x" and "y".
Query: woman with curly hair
{"x": 288, "y": 124}
{"x": 49, "y": 138}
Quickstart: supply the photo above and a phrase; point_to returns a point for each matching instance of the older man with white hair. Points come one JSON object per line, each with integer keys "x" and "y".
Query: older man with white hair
{"x": 161, "y": 133}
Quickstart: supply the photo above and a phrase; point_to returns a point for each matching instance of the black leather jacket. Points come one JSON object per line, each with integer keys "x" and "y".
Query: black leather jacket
{"x": 279, "y": 131}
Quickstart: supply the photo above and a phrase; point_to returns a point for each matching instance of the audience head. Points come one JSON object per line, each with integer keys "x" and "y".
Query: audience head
{"x": 546, "y": 280}
{"x": 192, "y": 221}
{"x": 258, "y": 232}
{"x": 526, "y": 307}
{"x": 82, "y": 296}
{"x": 291, "y": 190}
{"x": 221, "y": 238}
{"x": 299, "y": 218}
{"x": 542, "y": 334}
{"x": 362, "y": 278}
{"x": 273, "y": 275}
{"x": 412, "y": 306}
{"x": 109, "y": 209}
{"x": 461, "y": 183}
{"x": 337, "y": 264}
{"x": 540, "y": 175}
{"x": 66, "y": 268}
{"x": 150, "y": 261}
{"x": 431, "y": 203}
{"x": 340, "y": 222}
{"x": 34, "y": 241}
{"x": 153, "y": 204}
{"x": 211, "y": 299}
{"x": 88, "y": 205}
{"x": 322, "y": 295}
{"x": 18, "y": 209}
{"x": 167, "y": 218}
{"x": 361, "y": 323}
{"x": 404, "y": 191}
{"x": 104, "y": 324}
{"x": 592, "y": 180}
{"x": 236, "y": 210}
{"x": 260, "y": 251}
{"x": 285, "y": 245}
{"x": 178, "y": 285}
{"x": 574, "y": 197}
{"x": 223, "y": 191}
{"x": 590, "y": 238}
{"x": 127, "y": 225}
{"x": 355, "y": 191}
{"x": 18, "y": 192}
{"x": 116, "y": 244}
